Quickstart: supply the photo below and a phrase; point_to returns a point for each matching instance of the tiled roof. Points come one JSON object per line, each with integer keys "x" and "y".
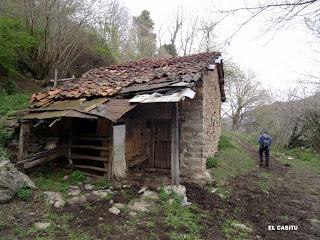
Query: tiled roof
{"x": 111, "y": 80}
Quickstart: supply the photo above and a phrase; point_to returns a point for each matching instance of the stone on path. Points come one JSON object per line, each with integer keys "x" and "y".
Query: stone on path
{"x": 77, "y": 200}
{"x": 119, "y": 205}
{"x": 150, "y": 195}
{"x": 142, "y": 189}
{"x": 102, "y": 193}
{"x": 54, "y": 198}
{"x": 114, "y": 210}
{"x": 88, "y": 186}
{"x": 42, "y": 225}
{"x": 11, "y": 180}
{"x": 242, "y": 226}
{"x": 140, "y": 206}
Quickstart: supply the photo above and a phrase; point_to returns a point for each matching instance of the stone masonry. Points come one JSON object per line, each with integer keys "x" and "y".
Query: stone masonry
{"x": 200, "y": 128}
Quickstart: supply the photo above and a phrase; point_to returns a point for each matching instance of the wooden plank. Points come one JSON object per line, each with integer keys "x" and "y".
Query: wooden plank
{"x": 43, "y": 154}
{"x": 151, "y": 165}
{"x": 175, "y": 146}
{"x": 23, "y": 140}
{"x": 86, "y": 157}
{"x": 43, "y": 159}
{"x": 91, "y": 138}
{"x": 90, "y": 147}
{"x": 90, "y": 167}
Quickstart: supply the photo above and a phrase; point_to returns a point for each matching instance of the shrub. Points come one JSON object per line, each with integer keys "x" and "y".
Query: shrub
{"x": 10, "y": 86}
{"x": 212, "y": 162}
{"x": 224, "y": 142}
{"x": 77, "y": 176}
{"x": 24, "y": 193}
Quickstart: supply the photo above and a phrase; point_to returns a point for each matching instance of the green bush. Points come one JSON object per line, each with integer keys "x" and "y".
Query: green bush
{"x": 212, "y": 162}
{"x": 224, "y": 142}
{"x": 10, "y": 86}
{"x": 77, "y": 176}
{"x": 24, "y": 193}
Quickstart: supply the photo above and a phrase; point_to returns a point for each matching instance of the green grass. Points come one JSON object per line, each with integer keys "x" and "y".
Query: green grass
{"x": 231, "y": 162}
{"x": 212, "y": 162}
{"x": 102, "y": 183}
{"x": 53, "y": 181}
{"x": 178, "y": 218}
{"x": 263, "y": 185}
{"x": 24, "y": 193}
{"x": 303, "y": 159}
{"x": 231, "y": 232}
{"x": 10, "y": 103}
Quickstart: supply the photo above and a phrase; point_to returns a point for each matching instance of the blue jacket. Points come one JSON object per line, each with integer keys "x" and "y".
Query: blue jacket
{"x": 262, "y": 137}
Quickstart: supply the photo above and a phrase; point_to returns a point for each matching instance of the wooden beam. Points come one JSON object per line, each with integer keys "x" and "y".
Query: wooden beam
{"x": 175, "y": 168}
{"x": 91, "y": 138}
{"x": 23, "y": 140}
{"x": 91, "y": 147}
{"x": 87, "y": 157}
{"x": 90, "y": 167}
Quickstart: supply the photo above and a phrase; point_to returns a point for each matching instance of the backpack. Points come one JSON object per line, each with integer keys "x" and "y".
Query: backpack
{"x": 265, "y": 142}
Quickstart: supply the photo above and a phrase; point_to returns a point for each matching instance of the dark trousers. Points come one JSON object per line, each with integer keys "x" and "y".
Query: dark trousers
{"x": 266, "y": 152}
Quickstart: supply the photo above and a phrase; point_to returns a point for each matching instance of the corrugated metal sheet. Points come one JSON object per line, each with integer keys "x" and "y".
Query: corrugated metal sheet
{"x": 58, "y": 114}
{"x": 157, "y": 98}
{"x": 113, "y": 109}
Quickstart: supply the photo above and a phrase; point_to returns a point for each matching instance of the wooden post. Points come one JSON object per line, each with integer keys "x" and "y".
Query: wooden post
{"x": 70, "y": 141}
{"x": 55, "y": 77}
{"x": 119, "y": 165}
{"x": 23, "y": 140}
{"x": 175, "y": 169}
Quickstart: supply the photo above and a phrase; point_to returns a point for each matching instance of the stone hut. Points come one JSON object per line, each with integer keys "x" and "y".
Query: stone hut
{"x": 159, "y": 114}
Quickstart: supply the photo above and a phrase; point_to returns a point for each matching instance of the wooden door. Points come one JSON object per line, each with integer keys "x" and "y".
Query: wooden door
{"x": 162, "y": 144}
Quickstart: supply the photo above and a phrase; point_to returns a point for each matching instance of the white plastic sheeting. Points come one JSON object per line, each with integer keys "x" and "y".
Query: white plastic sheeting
{"x": 158, "y": 97}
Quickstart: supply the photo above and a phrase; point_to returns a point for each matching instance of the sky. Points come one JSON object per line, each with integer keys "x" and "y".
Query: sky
{"x": 277, "y": 59}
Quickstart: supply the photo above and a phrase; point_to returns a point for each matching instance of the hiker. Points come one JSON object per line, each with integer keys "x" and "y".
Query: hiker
{"x": 265, "y": 142}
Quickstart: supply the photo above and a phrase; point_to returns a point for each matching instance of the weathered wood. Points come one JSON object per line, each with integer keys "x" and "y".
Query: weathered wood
{"x": 175, "y": 146}
{"x": 119, "y": 165}
{"x": 42, "y": 160}
{"x": 90, "y": 167}
{"x": 87, "y": 157}
{"x": 91, "y": 147}
{"x": 23, "y": 140}
{"x": 91, "y": 138}
{"x": 137, "y": 160}
{"x": 151, "y": 163}
{"x": 70, "y": 141}
{"x": 42, "y": 154}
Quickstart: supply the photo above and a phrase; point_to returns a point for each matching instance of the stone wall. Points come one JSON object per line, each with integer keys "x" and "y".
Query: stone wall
{"x": 211, "y": 113}
{"x": 200, "y": 128}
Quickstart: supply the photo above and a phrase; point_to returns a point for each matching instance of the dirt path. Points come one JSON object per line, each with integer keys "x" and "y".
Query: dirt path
{"x": 276, "y": 196}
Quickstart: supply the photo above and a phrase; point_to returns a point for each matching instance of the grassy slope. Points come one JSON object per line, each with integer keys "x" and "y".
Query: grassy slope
{"x": 8, "y": 105}
{"x": 231, "y": 160}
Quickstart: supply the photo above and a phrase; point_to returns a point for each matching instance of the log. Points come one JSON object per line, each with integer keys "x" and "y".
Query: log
{"x": 42, "y": 160}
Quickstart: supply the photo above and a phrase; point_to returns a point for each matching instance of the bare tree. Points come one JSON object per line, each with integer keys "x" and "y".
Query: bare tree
{"x": 243, "y": 92}
{"x": 277, "y": 14}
